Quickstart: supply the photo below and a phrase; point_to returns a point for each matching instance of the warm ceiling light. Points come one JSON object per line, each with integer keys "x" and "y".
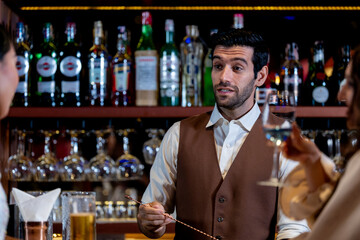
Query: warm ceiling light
{"x": 193, "y": 8}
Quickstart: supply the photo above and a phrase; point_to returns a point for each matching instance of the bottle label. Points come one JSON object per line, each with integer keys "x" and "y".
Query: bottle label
{"x": 70, "y": 66}
{"x": 169, "y": 69}
{"x": 146, "y": 72}
{"x": 122, "y": 74}
{"x": 97, "y": 71}
{"x": 22, "y": 65}
{"x": 320, "y": 94}
{"x": 46, "y": 66}
{"x": 46, "y": 87}
{"x": 21, "y": 87}
{"x": 70, "y": 86}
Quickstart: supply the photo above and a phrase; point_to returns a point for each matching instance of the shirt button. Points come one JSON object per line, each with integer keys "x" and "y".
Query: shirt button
{"x": 220, "y": 219}
{"x": 221, "y": 200}
{"x": 227, "y": 145}
{"x": 218, "y": 237}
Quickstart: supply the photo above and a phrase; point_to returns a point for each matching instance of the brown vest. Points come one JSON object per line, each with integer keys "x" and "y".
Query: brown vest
{"x": 235, "y": 208}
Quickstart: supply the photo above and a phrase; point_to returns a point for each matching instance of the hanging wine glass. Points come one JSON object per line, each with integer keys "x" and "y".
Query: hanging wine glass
{"x": 277, "y": 129}
{"x": 74, "y": 166}
{"x": 19, "y": 165}
{"x": 101, "y": 166}
{"x": 127, "y": 165}
{"x": 46, "y": 166}
{"x": 152, "y": 146}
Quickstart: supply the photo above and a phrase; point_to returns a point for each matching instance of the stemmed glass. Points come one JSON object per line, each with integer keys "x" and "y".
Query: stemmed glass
{"x": 74, "y": 166}
{"x": 152, "y": 146}
{"x": 46, "y": 166}
{"x": 128, "y": 166}
{"x": 277, "y": 128}
{"x": 19, "y": 165}
{"x": 102, "y": 166}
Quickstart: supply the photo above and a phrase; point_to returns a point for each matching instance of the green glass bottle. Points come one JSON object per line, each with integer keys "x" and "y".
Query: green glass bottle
{"x": 146, "y": 64}
{"x": 209, "y": 98}
{"x": 169, "y": 69}
{"x": 70, "y": 69}
{"x": 24, "y": 57}
{"x": 46, "y": 60}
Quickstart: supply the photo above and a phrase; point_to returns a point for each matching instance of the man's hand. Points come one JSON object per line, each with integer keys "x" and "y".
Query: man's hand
{"x": 151, "y": 219}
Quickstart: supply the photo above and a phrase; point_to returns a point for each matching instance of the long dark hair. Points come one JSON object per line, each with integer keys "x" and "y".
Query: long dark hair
{"x": 5, "y": 42}
{"x": 354, "y": 107}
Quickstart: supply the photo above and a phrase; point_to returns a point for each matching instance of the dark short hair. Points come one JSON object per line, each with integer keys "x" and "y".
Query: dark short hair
{"x": 241, "y": 37}
{"x": 5, "y": 42}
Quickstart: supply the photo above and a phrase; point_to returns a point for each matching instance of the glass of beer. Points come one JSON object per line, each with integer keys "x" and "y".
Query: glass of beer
{"x": 78, "y": 215}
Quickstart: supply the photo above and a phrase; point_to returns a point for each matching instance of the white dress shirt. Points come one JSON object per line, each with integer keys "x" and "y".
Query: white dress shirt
{"x": 228, "y": 136}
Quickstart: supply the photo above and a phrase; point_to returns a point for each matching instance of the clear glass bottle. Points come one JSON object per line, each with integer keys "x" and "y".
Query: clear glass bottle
{"x": 291, "y": 74}
{"x": 99, "y": 210}
{"x": 98, "y": 69}
{"x": 123, "y": 92}
{"x": 209, "y": 97}
{"x": 46, "y": 59}
{"x": 169, "y": 68}
{"x": 120, "y": 210}
{"x": 192, "y": 52}
{"x": 238, "y": 21}
{"x": 23, "y": 94}
{"x": 70, "y": 69}
{"x": 146, "y": 61}
{"x": 109, "y": 211}
{"x": 131, "y": 210}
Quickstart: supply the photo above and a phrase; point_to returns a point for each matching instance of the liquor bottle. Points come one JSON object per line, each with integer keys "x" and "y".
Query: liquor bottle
{"x": 70, "y": 69}
{"x": 291, "y": 74}
{"x": 98, "y": 69}
{"x": 146, "y": 63}
{"x": 122, "y": 72}
{"x": 338, "y": 74}
{"x": 46, "y": 67}
{"x": 169, "y": 69}
{"x": 238, "y": 21}
{"x": 209, "y": 98}
{"x": 317, "y": 81}
{"x": 191, "y": 60}
{"x": 24, "y": 57}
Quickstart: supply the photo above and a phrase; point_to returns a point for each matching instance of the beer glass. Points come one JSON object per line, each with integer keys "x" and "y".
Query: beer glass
{"x": 78, "y": 215}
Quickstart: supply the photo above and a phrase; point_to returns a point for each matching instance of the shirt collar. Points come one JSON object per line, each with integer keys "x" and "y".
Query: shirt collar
{"x": 247, "y": 121}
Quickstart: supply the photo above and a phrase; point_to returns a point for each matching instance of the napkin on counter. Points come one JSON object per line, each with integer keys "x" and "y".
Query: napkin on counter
{"x": 35, "y": 209}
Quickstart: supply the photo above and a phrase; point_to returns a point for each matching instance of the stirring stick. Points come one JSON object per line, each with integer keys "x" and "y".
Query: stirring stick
{"x": 169, "y": 216}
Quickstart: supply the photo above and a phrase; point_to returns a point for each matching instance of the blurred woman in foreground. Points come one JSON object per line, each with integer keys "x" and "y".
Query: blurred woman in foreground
{"x": 8, "y": 83}
{"x": 330, "y": 202}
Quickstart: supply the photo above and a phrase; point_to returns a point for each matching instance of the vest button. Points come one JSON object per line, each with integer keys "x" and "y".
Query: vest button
{"x": 218, "y": 237}
{"x": 221, "y": 199}
{"x": 220, "y": 219}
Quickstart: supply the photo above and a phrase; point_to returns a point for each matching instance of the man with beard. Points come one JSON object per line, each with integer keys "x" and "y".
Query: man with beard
{"x": 208, "y": 165}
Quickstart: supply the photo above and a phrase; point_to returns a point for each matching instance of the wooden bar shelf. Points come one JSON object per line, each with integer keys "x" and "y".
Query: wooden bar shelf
{"x": 150, "y": 112}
